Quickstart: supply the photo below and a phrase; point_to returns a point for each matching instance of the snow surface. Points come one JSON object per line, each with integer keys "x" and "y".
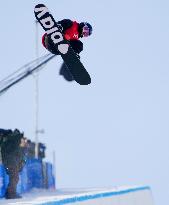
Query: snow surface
{"x": 66, "y": 196}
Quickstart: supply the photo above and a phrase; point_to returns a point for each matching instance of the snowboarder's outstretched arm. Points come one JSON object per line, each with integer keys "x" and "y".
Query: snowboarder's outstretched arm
{"x": 64, "y": 24}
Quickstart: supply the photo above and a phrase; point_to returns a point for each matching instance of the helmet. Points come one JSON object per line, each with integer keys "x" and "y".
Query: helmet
{"x": 86, "y": 29}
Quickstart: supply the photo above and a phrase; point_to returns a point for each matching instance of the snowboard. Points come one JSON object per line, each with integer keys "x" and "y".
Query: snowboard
{"x": 62, "y": 46}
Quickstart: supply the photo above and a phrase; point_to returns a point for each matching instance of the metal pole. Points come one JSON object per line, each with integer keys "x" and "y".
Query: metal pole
{"x": 54, "y": 165}
{"x": 36, "y": 96}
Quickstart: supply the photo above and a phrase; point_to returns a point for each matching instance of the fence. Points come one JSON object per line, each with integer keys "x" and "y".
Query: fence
{"x": 35, "y": 174}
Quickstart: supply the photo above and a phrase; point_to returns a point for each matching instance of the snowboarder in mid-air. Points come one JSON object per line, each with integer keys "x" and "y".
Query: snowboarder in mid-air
{"x": 72, "y": 31}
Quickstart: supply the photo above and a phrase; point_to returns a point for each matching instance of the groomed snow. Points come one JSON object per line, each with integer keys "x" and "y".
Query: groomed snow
{"x": 109, "y": 196}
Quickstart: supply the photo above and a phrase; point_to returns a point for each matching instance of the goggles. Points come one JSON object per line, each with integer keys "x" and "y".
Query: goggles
{"x": 86, "y": 31}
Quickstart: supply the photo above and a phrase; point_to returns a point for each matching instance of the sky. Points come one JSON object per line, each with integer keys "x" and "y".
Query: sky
{"x": 114, "y": 131}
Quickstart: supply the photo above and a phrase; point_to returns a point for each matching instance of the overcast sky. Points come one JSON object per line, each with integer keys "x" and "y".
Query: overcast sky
{"x": 116, "y": 130}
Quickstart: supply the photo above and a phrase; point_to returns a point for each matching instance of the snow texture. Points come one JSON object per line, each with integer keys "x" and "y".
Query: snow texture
{"x": 105, "y": 196}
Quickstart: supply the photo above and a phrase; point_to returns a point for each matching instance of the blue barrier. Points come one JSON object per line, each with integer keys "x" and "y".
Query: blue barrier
{"x": 19, "y": 185}
{"x": 50, "y": 177}
{"x": 2, "y": 181}
{"x": 24, "y": 179}
{"x": 34, "y": 173}
{"x": 31, "y": 176}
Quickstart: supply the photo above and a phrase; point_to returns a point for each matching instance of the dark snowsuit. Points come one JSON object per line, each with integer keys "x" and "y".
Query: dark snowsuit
{"x": 13, "y": 159}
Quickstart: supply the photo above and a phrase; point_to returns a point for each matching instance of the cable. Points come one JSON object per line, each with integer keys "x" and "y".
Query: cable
{"x": 23, "y": 72}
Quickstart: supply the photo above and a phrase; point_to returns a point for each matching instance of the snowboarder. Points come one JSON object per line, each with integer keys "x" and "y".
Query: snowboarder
{"x": 72, "y": 31}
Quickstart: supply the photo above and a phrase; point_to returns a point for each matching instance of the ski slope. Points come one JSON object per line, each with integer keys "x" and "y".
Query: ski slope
{"x": 105, "y": 196}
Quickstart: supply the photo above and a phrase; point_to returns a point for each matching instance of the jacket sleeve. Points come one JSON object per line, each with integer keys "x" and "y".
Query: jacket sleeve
{"x": 76, "y": 45}
{"x": 65, "y": 24}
